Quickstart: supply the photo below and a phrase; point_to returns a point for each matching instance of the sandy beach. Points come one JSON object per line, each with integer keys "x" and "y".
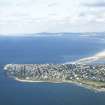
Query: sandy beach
{"x": 96, "y": 57}
{"x": 71, "y": 82}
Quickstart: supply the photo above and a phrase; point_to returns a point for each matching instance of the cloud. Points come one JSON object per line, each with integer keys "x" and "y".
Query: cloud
{"x": 96, "y": 4}
{"x": 32, "y": 16}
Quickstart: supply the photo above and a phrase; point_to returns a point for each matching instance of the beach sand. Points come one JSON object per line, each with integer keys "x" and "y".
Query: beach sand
{"x": 96, "y": 57}
{"x": 70, "y": 82}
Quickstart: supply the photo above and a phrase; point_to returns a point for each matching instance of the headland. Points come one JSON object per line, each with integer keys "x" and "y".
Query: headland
{"x": 88, "y": 76}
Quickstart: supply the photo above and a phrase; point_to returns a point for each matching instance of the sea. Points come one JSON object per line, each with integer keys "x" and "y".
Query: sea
{"x": 43, "y": 49}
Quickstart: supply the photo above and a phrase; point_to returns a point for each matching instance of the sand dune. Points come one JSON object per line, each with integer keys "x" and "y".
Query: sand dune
{"x": 96, "y": 57}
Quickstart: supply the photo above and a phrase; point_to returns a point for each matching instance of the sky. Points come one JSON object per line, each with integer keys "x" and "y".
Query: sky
{"x": 34, "y": 16}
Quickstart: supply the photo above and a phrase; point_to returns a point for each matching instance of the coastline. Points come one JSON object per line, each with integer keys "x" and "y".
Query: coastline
{"x": 98, "y": 56}
{"x": 86, "y": 86}
{"x": 87, "y": 76}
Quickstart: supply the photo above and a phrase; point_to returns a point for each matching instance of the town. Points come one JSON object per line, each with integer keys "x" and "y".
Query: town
{"x": 93, "y": 75}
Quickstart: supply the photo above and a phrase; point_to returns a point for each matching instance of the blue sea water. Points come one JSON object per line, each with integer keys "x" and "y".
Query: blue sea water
{"x": 49, "y": 49}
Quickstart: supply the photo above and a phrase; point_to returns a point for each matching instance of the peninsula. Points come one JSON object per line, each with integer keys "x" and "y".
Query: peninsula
{"x": 89, "y": 76}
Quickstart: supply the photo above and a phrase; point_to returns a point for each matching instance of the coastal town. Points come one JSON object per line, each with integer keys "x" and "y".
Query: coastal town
{"x": 93, "y": 75}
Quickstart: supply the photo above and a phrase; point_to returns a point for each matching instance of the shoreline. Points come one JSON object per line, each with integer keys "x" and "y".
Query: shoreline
{"x": 87, "y": 76}
{"x": 98, "y": 56}
{"x": 86, "y": 86}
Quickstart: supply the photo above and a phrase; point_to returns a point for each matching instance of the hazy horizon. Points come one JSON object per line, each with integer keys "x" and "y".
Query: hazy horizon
{"x": 55, "y": 34}
{"x": 28, "y": 16}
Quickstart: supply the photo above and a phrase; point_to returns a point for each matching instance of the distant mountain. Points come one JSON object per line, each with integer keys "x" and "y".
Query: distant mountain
{"x": 92, "y": 34}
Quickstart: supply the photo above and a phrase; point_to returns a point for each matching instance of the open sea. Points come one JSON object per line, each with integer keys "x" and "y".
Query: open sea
{"x": 41, "y": 50}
